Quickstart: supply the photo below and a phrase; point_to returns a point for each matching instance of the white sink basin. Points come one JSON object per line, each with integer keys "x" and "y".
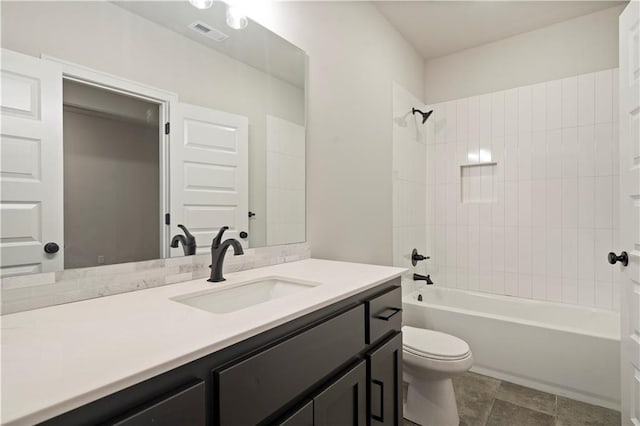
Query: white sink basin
{"x": 244, "y": 295}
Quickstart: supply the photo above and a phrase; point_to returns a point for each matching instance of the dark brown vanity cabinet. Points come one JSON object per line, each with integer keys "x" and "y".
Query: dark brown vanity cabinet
{"x": 340, "y": 365}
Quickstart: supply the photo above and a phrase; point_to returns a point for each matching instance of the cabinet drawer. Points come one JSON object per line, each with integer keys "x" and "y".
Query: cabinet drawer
{"x": 185, "y": 406}
{"x": 384, "y": 314}
{"x": 255, "y": 388}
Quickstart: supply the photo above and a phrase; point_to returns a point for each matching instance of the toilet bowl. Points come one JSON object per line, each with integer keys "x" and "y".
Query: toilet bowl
{"x": 430, "y": 360}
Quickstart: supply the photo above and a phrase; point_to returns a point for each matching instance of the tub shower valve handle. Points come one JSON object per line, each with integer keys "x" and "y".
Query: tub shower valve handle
{"x": 417, "y": 257}
{"x": 623, "y": 258}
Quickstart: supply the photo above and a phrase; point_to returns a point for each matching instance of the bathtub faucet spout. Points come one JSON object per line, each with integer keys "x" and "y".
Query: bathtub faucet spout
{"x": 418, "y": 277}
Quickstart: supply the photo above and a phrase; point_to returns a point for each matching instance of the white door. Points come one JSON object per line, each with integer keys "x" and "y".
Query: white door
{"x": 31, "y": 181}
{"x": 630, "y": 210}
{"x": 209, "y": 174}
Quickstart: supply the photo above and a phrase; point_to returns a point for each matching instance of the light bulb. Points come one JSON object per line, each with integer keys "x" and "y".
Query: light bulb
{"x": 236, "y": 19}
{"x": 201, "y": 4}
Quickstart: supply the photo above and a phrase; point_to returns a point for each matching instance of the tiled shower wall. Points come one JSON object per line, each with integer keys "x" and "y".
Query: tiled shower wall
{"x": 550, "y": 218}
{"x": 409, "y": 183}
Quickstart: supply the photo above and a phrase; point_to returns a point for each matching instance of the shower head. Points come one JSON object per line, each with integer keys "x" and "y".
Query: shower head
{"x": 425, "y": 115}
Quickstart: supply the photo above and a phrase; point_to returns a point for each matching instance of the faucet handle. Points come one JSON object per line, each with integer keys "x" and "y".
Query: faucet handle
{"x": 217, "y": 240}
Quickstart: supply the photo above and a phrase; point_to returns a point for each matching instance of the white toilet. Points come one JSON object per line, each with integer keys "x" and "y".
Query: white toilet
{"x": 430, "y": 360}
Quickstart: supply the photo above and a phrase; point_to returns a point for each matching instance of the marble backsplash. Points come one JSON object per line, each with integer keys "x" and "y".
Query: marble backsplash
{"x": 27, "y": 292}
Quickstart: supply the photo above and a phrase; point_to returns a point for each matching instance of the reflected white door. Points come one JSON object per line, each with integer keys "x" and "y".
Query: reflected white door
{"x": 630, "y": 210}
{"x": 209, "y": 174}
{"x": 31, "y": 198}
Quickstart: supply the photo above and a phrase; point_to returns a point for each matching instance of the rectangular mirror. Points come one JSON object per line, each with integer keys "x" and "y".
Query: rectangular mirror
{"x": 135, "y": 130}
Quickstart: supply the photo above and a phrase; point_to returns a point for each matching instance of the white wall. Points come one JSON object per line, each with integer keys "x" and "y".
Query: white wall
{"x": 105, "y": 37}
{"x": 554, "y": 219}
{"x": 354, "y": 56}
{"x": 585, "y": 44}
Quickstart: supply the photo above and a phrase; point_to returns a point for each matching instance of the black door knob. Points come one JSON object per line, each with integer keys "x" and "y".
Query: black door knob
{"x": 623, "y": 258}
{"x": 243, "y": 234}
{"x": 51, "y": 248}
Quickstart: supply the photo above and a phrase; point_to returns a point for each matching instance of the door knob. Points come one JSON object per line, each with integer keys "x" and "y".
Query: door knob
{"x": 623, "y": 258}
{"x": 51, "y": 248}
{"x": 243, "y": 234}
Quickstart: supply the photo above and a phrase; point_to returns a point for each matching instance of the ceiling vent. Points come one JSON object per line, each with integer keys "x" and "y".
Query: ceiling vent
{"x": 208, "y": 31}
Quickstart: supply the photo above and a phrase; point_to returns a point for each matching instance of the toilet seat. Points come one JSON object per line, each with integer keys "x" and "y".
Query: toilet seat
{"x": 434, "y": 344}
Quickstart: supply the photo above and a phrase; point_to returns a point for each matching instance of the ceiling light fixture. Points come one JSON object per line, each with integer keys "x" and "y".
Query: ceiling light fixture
{"x": 201, "y": 4}
{"x": 236, "y": 18}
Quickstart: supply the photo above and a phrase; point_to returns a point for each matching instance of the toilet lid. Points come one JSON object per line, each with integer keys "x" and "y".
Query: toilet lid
{"x": 433, "y": 344}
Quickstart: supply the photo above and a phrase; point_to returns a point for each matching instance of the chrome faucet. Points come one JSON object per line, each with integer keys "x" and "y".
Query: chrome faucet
{"x": 218, "y": 250}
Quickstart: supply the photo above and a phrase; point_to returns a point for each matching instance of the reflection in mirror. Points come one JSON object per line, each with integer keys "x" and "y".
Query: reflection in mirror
{"x": 123, "y": 120}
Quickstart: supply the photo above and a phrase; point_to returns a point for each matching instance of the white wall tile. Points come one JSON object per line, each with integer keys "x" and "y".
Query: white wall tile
{"x": 539, "y": 155}
{"x": 549, "y": 222}
{"x": 554, "y": 104}
{"x": 539, "y": 107}
{"x": 511, "y": 203}
{"x": 586, "y": 107}
{"x": 604, "y": 149}
{"x": 497, "y": 115}
{"x": 586, "y": 202}
{"x": 570, "y": 253}
{"x": 586, "y": 292}
{"x": 539, "y": 204}
{"x": 586, "y": 151}
{"x": 603, "y": 245}
{"x": 554, "y": 203}
{"x": 524, "y": 109}
{"x": 524, "y": 156}
{"x": 570, "y": 152}
{"x": 603, "y": 99}
{"x": 451, "y": 134}
{"x": 539, "y": 287}
{"x": 603, "y": 201}
{"x": 511, "y": 247}
{"x": 524, "y": 203}
{"x": 570, "y": 102}
{"x": 511, "y": 284}
{"x": 615, "y": 75}
{"x": 511, "y": 112}
{"x": 570, "y": 203}
{"x": 586, "y": 250}
{"x": 570, "y": 291}
{"x": 604, "y": 295}
{"x": 554, "y": 153}
{"x": 524, "y": 286}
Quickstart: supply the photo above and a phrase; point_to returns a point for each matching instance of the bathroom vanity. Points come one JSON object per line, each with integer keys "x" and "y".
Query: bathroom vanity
{"x": 328, "y": 354}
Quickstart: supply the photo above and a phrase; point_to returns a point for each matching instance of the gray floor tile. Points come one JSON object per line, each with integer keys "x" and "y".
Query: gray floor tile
{"x": 574, "y": 413}
{"x": 474, "y": 396}
{"x": 507, "y": 414}
{"x": 528, "y": 398}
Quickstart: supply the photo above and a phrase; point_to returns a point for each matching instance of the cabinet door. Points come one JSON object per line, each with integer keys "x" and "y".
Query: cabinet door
{"x": 301, "y": 417}
{"x": 344, "y": 402}
{"x": 385, "y": 381}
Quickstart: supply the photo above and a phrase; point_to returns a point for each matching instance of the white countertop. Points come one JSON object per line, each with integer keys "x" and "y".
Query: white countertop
{"x": 59, "y": 358}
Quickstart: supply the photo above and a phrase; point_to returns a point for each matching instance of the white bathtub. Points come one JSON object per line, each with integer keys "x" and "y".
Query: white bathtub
{"x": 557, "y": 348}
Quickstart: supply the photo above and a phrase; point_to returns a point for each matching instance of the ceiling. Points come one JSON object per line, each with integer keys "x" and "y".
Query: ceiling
{"x": 254, "y": 45}
{"x": 438, "y": 28}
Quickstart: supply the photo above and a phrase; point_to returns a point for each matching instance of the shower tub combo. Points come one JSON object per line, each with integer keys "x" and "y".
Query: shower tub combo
{"x": 557, "y": 348}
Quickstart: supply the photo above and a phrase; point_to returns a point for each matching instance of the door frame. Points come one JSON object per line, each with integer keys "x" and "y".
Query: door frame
{"x": 166, "y": 101}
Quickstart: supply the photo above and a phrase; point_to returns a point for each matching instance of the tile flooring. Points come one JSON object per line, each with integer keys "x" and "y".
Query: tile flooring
{"x": 485, "y": 401}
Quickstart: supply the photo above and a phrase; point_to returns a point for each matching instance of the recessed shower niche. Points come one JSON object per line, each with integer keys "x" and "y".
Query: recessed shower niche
{"x": 477, "y": 182}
